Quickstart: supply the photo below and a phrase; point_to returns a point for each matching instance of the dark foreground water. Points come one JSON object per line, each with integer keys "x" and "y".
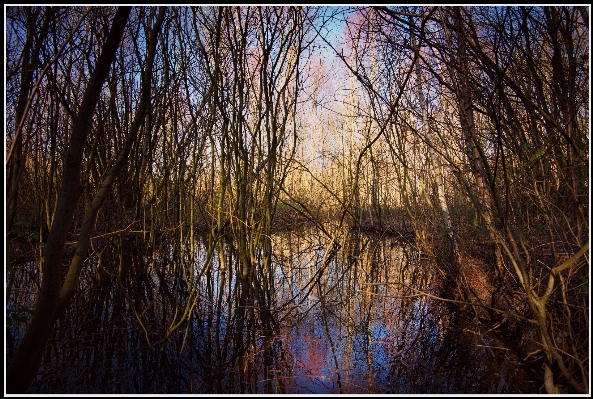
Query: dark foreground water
{"x": 315, "y": 323}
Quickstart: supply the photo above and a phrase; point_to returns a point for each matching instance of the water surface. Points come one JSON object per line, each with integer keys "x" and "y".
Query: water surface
{"x": 350, "y": 323}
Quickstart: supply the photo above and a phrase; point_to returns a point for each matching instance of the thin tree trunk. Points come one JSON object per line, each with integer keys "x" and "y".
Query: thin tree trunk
{"x": 92, "y": 208}
{"x": 16, "y": 162}
{"x": 478, "y": 163}
{"x": 435, "y": 159}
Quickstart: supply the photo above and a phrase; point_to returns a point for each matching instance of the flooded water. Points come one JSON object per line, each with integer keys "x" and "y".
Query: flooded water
{"x": 321, "y": 321}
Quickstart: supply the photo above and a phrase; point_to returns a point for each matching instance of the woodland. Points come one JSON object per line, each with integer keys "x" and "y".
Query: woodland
{"x": 155, "y": 156}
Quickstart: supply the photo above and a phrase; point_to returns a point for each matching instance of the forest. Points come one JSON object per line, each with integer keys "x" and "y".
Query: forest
{"x": 287, "y": 199}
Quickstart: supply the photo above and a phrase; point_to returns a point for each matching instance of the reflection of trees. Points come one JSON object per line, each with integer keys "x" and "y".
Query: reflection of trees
{"x": 350, "y": 333}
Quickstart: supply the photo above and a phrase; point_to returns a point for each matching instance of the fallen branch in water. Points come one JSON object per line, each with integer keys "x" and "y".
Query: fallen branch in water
{"x": 390, "y": 296}
{"x": 422, "y": 293}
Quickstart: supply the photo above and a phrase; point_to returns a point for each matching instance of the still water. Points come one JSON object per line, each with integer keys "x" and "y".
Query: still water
{"x": 321, "y": 321}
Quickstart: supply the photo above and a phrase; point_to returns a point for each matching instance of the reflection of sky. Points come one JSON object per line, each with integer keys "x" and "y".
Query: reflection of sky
{"x": 384, "y": 344}
{"x": 365, "y": 332}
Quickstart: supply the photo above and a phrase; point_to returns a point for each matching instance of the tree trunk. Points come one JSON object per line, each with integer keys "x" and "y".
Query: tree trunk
{"x": 23, "y": 367}
{"x": 435, "y": 160}
{"x": 477, "y": 159}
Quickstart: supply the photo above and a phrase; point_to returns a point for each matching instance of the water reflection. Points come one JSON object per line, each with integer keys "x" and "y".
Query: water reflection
{"x": 322, "y": 321}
